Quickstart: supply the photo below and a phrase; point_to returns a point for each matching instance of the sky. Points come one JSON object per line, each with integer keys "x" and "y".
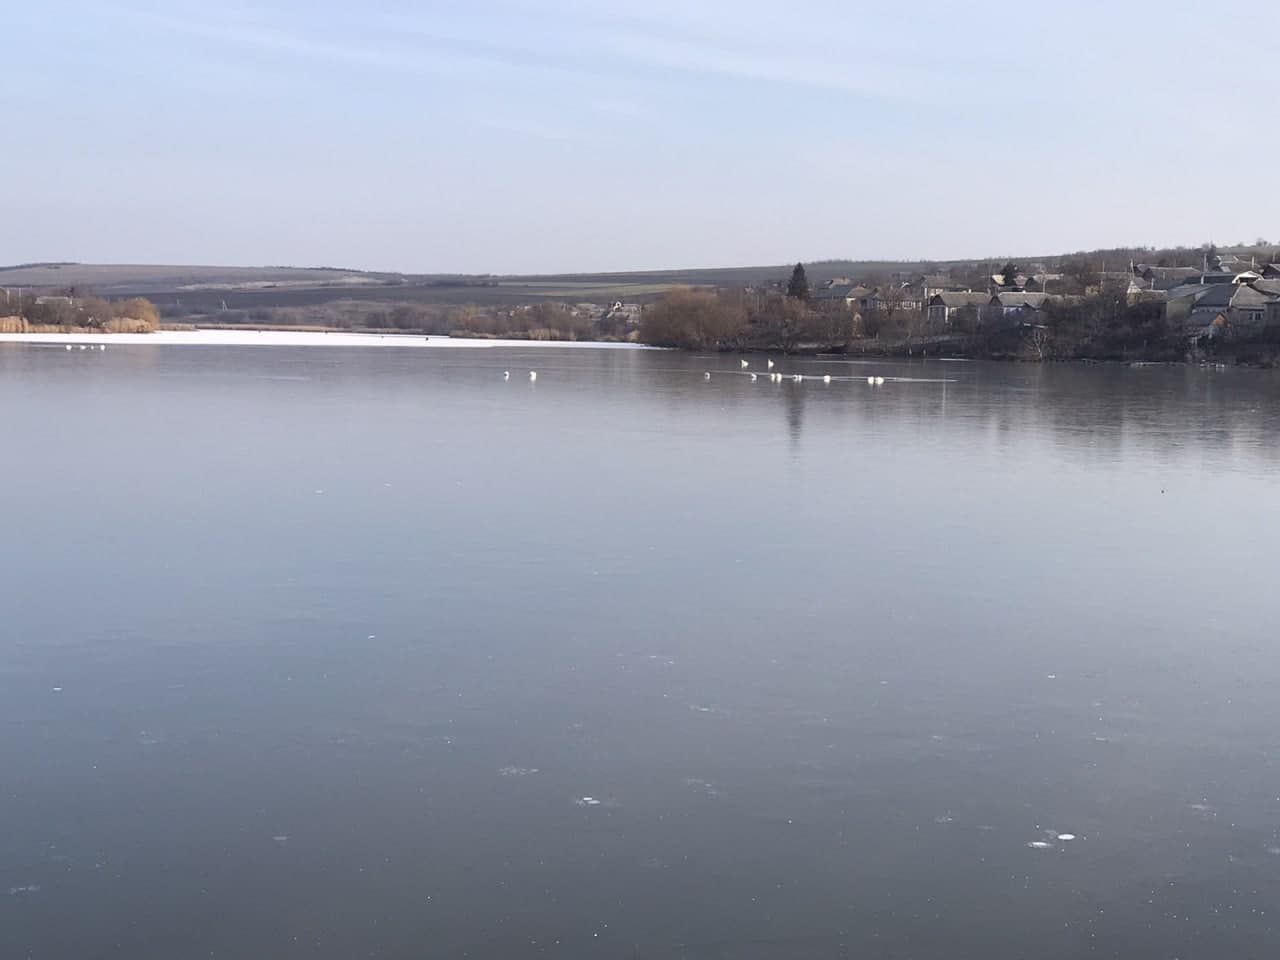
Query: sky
{"x": 523, "y": 136}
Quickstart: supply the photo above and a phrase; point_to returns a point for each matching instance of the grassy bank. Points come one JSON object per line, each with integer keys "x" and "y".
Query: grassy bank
{"x": 114, "y": 325}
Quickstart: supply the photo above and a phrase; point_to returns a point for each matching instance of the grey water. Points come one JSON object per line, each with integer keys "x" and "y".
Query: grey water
{"x": 341, "y": 653}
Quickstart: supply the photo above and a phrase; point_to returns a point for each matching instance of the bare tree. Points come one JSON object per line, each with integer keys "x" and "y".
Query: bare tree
{"x": 697, "y": 319}
{"x": 1041, "y": 341}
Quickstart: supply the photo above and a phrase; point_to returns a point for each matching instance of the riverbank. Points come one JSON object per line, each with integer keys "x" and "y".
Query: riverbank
{"x": 289, "y": 338}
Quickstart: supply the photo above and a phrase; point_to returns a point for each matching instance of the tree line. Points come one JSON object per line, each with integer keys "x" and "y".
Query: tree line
{"x": 73, "y": 312}
{"x": 1104, "y": 325}
{"x": 541, "y": 321}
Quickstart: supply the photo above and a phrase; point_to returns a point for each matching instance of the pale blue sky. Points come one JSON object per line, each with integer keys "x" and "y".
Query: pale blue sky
{"x": 559, "y": 135}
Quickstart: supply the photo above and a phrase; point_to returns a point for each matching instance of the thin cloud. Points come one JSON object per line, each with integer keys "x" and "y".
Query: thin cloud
{"x": 537, "y": 57}
{"x": 738, "y": 45}
{"x": 257, "y": 36}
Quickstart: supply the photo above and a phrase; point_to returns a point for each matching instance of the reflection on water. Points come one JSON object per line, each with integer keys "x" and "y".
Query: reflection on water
{"x": 336, "y": 653}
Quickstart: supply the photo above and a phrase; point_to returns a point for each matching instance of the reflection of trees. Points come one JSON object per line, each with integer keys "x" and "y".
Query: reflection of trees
{"x": 1086, "y": 414}
{"x": 1102, "y": 413}
{"x": 795, "y": 413}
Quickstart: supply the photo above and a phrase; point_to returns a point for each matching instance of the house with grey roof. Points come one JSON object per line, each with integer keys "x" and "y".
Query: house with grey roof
{"x": 1015, "y": 284}
{"x": 932, "y": 284}
{"x": 838, "y": 292}
{"x": 946, "y": 307}
{"x": 1155, "y": 274}
{"x": 1220, "y": 310}
{"x": 890, "y": 298}
{"x": 866, "y": 300}
{"x": 1208, "y": 311}
{"x": 1248, "y": 311}
{"x": 1015, "y": 302}
{"x": 1008, "y": 310}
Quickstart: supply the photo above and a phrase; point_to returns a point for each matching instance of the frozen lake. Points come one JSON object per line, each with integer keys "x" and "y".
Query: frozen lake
{"x": 372, "y": 653}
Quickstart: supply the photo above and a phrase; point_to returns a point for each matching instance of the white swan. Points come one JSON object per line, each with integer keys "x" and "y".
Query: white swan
{"x": 506, "y": 374}
{"x": 871, "y": 380}
{"x": 707, "y": 375}
{"x": 879, "y": 381}
{"x": 827, "y": 378}
{"x": 744, "y": 363}
{"x": 770, "y": 364}
{"x": 753, "y": 378}
{"x": 533, "y": 374}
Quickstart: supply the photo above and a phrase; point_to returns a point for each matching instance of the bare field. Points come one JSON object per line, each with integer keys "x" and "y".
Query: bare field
{"x": 327, "y": 297}
{"x": 591, "y": 291}
{"x": 197, "y": 290}
{"x": 106, "y": 278}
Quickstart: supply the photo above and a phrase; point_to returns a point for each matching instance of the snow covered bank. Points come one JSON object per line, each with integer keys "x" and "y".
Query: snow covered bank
{"x": 287, "y": 338}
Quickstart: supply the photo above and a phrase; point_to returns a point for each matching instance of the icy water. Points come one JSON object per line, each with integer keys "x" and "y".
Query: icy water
{"x": 343, "y": 653}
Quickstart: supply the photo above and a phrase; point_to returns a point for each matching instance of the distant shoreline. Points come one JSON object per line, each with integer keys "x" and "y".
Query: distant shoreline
{"x": 287, "y": 338}
{"x": 320, "y": 338}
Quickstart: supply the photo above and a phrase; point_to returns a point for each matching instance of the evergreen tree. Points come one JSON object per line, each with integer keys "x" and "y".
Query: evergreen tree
{"x": 798, "y": 285}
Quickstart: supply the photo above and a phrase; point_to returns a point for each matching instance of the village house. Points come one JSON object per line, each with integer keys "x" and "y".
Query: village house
{"x": 946, "y": 307}
{"x": 999, "y": 283}
{"x": 1180, "y": 301}
{"x": 930, "y": 286}
{"x": 1272, "y": 289}
{"x": 865, "y": 300}
{"x": 1024, "y": 306}
{"x": 1224, "y": 310}
{"x": 1148, "y": 277}
{"x": 628, "y": 313}
{"x": 890, "y": 299}
{"x": 1247, "y": 312}
{"x": 840, "y": 292}
{"x": 1207, "y": 314}
{"x": 1042, "y": 279}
